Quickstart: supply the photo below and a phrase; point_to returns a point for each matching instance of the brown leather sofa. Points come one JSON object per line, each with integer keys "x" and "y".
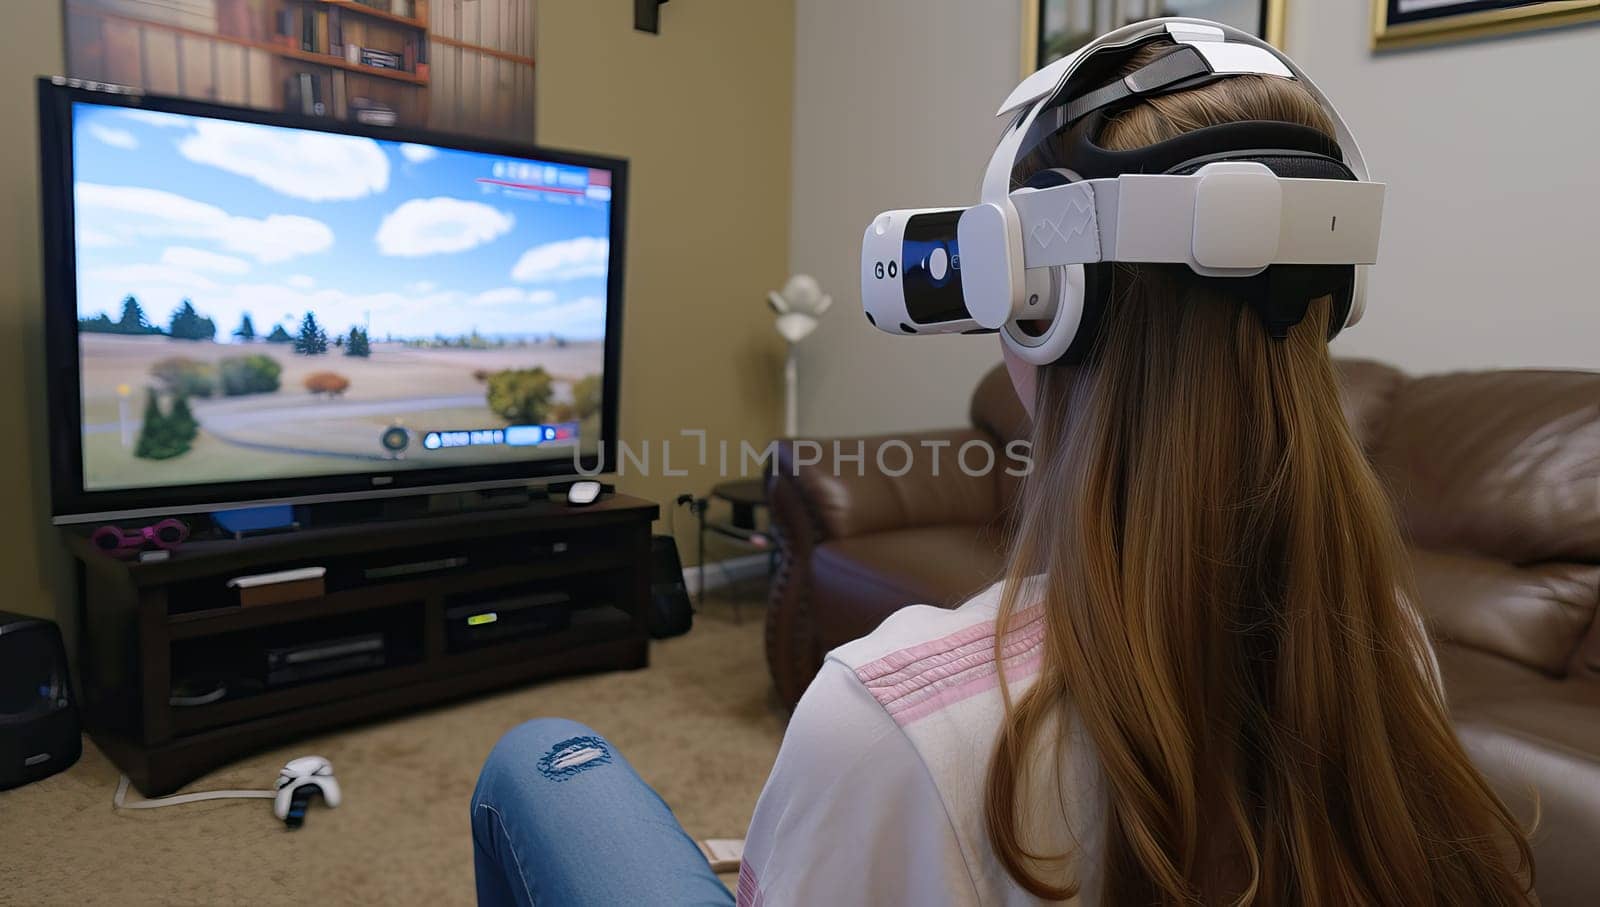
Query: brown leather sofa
{"x": 1496, "y": 476}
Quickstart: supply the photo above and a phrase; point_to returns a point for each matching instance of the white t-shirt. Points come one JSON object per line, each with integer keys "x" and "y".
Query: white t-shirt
{"x": 877, "y": 796}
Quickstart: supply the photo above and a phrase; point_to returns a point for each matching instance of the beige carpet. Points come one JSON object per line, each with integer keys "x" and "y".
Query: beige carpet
{"x": 700, "y": 724}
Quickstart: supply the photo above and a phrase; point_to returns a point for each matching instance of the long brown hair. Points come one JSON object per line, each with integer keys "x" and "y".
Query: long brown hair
{"x": 1225, "y": 592}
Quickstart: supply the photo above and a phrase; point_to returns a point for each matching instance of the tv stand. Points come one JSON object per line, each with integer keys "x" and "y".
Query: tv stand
{"x": 578, "y": 580}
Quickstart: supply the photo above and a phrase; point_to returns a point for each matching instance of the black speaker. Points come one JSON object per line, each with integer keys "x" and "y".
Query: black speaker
{"x": 38, "y": 714}
{"x": 671, "y": 614}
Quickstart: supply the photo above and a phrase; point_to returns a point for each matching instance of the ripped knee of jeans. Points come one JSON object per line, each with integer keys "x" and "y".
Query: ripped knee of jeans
{"x": 573, "y": 756}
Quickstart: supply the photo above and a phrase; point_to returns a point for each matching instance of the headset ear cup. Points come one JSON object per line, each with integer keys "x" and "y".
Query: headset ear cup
{"x": 1077, "y": 316}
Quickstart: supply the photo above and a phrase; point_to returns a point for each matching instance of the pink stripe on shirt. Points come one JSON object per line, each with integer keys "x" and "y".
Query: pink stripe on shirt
{"x": 748, "y": 893}
{"x": 918, "y": 681}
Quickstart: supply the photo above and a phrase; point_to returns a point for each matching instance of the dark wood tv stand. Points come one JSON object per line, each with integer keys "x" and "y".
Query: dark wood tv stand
{"x": 145, "y": 626}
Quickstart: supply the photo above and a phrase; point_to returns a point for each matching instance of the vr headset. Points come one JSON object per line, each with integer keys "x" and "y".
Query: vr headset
{"x": 1278, "y": 211}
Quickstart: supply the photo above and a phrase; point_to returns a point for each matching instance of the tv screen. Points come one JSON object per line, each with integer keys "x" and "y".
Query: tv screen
{"x": 265, "y": 307}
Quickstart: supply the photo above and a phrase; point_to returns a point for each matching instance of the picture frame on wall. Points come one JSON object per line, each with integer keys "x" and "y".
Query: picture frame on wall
{"x": 1411, "y": 23}
{"x": 1054, "y": 28}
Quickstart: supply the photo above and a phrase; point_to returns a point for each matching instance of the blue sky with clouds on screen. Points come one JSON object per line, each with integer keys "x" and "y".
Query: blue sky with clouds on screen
{"x": 276, "y": 222}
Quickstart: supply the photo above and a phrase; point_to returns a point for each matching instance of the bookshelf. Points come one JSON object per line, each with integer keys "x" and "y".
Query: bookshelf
{"x": 353, "y": 60}
{"x": 471, "y": 69}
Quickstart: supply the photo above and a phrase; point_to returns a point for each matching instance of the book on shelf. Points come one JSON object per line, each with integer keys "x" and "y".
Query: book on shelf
{"x": 335, "y": 33}
{"x": 322, "y": 31}
{"x": 382, "y": 59}
{"x": 303, "y": 93}
{"x": 308, "y": 34}
{"x": 285, "y": 31}
{"x": 339, "y": 108}
{"x": 365, "y": 110}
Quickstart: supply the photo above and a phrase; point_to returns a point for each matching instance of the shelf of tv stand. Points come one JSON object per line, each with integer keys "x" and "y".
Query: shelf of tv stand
{"x": 131, "y": 643}
{"x": 234, "y": 710}
{"x": 190, "y": 624}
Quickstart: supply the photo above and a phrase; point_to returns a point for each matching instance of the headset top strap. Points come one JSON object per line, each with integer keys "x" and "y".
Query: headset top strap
{"x": 1180, "y": 67}
{"x": 1227, "y": 51}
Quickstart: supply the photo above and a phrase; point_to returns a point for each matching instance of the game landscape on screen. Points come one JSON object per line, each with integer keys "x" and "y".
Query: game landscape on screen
{"x": 257, "y": 302}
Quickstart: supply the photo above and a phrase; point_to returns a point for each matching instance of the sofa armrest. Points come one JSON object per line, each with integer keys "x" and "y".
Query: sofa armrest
{"x": 857, "y": 486}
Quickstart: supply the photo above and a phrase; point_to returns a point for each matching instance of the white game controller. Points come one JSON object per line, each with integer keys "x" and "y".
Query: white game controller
{"x": 298, "y": 781}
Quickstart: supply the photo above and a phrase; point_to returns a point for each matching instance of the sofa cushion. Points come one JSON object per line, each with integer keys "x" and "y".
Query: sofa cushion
{"x": 1472, "y": 676}
{"x": 1558, "y": 714}
{"x": 1490, "y": 691}
{"x": 859, "y": 581}
{"x": 1505, "y": 464}
{"x": 1533, "y": 615}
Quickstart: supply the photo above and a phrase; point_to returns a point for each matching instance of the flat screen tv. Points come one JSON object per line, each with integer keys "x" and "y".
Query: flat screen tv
{"x": 246, "y": 307}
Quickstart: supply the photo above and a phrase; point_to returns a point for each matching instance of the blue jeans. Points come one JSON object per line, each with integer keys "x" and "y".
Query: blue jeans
{"x": 560, "y": 819}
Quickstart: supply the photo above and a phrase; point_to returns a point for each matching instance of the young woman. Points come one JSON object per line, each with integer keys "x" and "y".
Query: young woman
{"x": 1200, "y": 681}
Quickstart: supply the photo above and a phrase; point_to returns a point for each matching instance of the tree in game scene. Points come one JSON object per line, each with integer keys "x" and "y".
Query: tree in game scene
{"x": 357, "y": 343}
{"x": 253, "y": 374}
{"x": 586, "y": 397}
{"x": 99, "y": 324}
{"x": 246, "y": 330}
{"x": 312, "y": 339}
{"x": 162, "y": 437}
{"x": 181, "y": 421}
{"x": 521, "y": 395}
{"x": 187, "y": 324}
{"x": 327, "y": 384}
{"x": 279, "y": 335}
{"x": 185, "y": 377}
{"x": 133, "y": 320}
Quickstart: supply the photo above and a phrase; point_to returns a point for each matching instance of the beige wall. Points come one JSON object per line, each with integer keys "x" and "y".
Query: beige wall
{"x": 894, "y": 108}
{"x": 1489, "y": 228}
{"x": 32, "y": 570}
{"x": 703, "y": 112}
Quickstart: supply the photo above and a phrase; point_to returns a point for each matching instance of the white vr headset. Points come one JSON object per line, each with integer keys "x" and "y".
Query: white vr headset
{"x": 1276, "y": 209}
